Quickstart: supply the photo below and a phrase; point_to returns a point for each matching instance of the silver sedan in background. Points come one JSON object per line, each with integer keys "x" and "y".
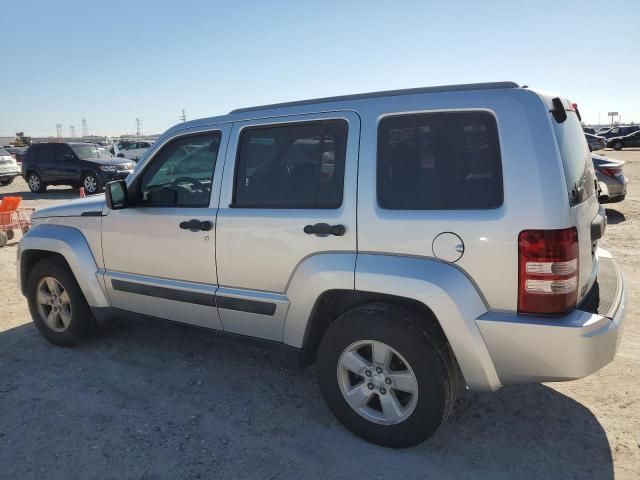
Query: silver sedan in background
{"x": 611, "y": 178}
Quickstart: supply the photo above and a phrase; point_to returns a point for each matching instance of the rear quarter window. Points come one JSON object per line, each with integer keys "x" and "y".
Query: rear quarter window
{"x": 576, "y": 159}
{"x": 439, "y": 161}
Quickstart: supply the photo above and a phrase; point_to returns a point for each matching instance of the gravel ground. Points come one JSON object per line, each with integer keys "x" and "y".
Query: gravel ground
{"x": 150, "y": 399}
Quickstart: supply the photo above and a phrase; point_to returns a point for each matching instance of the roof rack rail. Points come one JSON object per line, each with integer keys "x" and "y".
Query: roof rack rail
{"x": 387, "y": 93}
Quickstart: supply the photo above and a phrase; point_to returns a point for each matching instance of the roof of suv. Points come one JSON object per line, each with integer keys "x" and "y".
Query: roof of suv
{"x": 238, "y": 113}
{"x": 385, "y": 93}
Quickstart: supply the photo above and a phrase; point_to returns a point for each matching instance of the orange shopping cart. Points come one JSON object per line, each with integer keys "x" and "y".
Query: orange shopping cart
{"x": 13, "y": 218}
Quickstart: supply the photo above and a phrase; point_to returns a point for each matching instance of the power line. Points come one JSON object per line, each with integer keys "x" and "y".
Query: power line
{"x": 59, "y": 130}
{"x": 138, "y": 127}
{"x": 85, "y": 130}
{"x": 183, "y": 117}
{"x": 72, "y": 129}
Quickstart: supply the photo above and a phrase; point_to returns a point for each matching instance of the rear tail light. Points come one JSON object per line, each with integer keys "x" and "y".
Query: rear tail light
{"x": 610, "y": 172}
{"x": 548, "y": 271}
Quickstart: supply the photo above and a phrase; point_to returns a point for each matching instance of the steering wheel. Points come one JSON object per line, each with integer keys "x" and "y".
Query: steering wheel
{"x": 193, "y": 181}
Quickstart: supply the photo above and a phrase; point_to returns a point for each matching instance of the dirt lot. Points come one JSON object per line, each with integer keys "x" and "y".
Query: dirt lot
{"x": 153, "y": 400}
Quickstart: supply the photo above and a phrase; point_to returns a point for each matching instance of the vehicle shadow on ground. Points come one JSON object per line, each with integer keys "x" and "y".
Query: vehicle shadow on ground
{"x": 51, "y": 194}
{"x": 147, "y": 399}
{"x": 614, "y": 216}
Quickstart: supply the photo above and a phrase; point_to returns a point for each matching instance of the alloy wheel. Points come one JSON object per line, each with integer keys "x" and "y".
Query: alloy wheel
{"x": 90, "y": 184}
{"x": 54, "y": 305}
{"x": 34, "y": 182}
{"x": 377, "y": 382}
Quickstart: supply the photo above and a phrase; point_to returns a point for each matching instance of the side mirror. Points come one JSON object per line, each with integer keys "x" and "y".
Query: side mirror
{"x": 120, "y": 155}
{"x": 116, "y": 195}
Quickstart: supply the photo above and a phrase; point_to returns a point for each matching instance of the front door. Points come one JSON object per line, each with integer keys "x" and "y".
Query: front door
{"x": 289, "y": 194}
{"x": 159, "y": 255}
{"x": 67, "y": 164}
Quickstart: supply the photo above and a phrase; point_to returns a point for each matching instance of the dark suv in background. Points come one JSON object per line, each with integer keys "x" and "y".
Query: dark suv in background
{"x": 75, "y": 164}
{"x": 619, "y": 131}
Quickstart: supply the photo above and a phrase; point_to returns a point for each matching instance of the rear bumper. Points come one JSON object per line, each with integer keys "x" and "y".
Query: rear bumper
{"x": 529, "y": 349}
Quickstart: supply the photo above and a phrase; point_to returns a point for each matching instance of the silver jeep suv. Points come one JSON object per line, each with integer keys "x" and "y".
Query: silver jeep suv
{"x": 409, "y": 242}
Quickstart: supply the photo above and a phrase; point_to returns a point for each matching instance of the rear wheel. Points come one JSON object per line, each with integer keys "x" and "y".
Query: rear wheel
{"x": 8, "y": 181}
{"x": 3, "y": 238}
{"x": 36, "y": 185}
{"x": 618, "y": 146}
{"x": 10, "y": 234}
{"x": 384, "y": 376}
{"x": 91, "y": 183}
{"x": 57, "y": 305}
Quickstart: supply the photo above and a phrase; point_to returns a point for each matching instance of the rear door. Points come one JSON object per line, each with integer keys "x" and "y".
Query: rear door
{"x": 581, "y": 186}
{"x": 46, "y": 161}
{"x": 289, "y": 193}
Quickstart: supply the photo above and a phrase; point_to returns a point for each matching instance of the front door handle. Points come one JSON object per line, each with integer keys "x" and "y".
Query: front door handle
{"x": 196, "y": 225}
{"x": 325, "y": 229}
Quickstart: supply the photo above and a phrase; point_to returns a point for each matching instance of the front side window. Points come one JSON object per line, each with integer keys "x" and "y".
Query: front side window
{"x": 291, "y": 166}
{"x": 439, "y": 161}
{"x": 181, "y": 174}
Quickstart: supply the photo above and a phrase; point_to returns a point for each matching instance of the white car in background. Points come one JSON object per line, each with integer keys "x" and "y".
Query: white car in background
{"x": 132, "y": 150}
{"x": 9, "y": 168}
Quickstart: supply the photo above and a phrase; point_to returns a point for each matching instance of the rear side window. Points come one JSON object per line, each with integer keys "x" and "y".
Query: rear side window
{"x": 576, "y": 159}
{"x": 46, "y": 153}
{"x": 439, "y": 161}
{"x": 291, "y": 166}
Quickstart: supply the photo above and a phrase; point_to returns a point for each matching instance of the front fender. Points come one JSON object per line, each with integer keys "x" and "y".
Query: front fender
{"x": 450, "y": 295}
{"x": 72, "y": 245}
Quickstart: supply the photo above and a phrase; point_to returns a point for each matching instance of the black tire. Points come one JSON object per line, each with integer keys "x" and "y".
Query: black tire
{"x": 4, "y": 183}
{"x": 82, "y": 320}
{"x": 94, "y": 180}
{"x": 10, "y": 234}
{"x": 36, "y": 185}
{"x": 590, "y": 148}
{"x": 3, "y": 238}
{"x": 425, "y": 350}
{"x": 618, "y": 146}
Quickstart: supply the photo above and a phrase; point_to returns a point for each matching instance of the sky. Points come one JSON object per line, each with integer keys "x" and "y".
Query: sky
{"x": 111, "y": 62}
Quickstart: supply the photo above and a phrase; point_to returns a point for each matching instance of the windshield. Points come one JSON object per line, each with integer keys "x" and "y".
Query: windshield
{"x": 4, "y": 153}
{"x": 90, "y": 151}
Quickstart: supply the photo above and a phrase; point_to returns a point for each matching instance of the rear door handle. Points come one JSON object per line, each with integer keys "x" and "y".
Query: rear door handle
{"x": 325, "y": 229}
{"x": 195, "y": 225}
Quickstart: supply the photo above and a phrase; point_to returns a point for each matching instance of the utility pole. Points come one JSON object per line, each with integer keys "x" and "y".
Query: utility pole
{"x": 85, "y": 130}
{"x": 59, "y": 130}
{"x": 72, "y": 130}
{"x": 138, "y": 127}
{"x": 183, "y": 117}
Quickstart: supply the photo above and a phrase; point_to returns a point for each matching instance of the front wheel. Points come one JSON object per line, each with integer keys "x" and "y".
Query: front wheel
{"x": 6, "y": 182}
{"x": 618, "y": 146}
{"x": 57, "y": 305}
{"x": 91, "y": 183}
{"x": 384, "y": 376}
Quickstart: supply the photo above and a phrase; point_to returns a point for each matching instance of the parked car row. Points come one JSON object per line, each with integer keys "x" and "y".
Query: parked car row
{"x": 615, "y": 137}
{"x": 133, "y": 150}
